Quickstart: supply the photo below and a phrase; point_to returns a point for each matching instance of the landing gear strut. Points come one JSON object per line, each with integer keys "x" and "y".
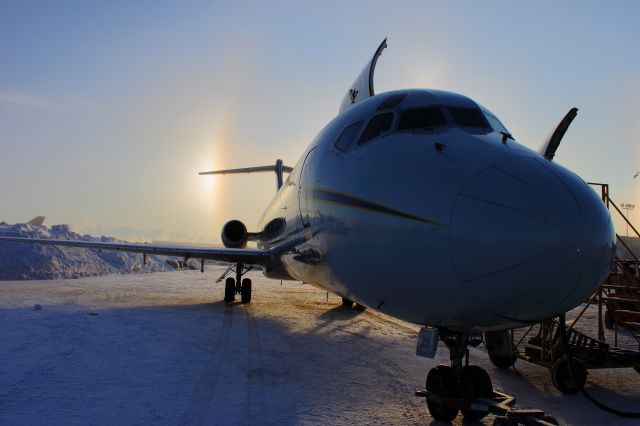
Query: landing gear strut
{"x": 237, "y": 285}
{"x": 457, "y": 382}
{"x": 468, "y": 388}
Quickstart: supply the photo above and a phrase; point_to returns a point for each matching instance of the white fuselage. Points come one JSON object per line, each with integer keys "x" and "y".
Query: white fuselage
{"x": 452, "y": 226}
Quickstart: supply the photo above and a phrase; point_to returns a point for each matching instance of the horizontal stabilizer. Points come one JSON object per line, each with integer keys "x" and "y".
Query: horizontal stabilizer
{"x": 278, "y": 168}
{"x": 285, "y": 169}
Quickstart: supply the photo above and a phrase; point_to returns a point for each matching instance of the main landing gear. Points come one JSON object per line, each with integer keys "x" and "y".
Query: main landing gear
{"x": 348, "y": 304}
{"x": 237, "y": 285}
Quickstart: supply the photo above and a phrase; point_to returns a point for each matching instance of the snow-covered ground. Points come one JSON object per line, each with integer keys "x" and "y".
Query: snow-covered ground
{"x": 164, "y": 349}
{"x": 19, "y": 261}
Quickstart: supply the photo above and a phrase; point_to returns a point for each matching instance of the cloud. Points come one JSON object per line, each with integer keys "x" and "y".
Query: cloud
{"x": 21, "y": 100}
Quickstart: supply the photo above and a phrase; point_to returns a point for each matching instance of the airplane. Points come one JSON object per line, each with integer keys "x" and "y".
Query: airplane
{"x": 420, "y": 204}
{"x": 37, "y": 221}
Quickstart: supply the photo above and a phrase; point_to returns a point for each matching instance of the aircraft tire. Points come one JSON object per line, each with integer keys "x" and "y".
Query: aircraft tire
{"x": 608, "y": 320}
{"x": 568, "y": 378}
{"x": 504, "y": 421}
{"x": 245, "y": 292}
{"x": 502, "y": 362}
{"x": 346, "y": 303}
{"x": 475, "y": 383}
{"x": 230, "y": 290}
{"x": 442, "y": 381}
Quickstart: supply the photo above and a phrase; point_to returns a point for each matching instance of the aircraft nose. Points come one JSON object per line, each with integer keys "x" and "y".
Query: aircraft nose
{"x": 527, "y": 227}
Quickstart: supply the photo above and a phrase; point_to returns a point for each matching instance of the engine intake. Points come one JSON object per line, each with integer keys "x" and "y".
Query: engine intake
{"x": 234, "y": 234}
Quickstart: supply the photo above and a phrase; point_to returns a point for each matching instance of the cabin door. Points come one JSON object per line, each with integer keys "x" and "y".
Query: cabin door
{"x": 304, "y": 188}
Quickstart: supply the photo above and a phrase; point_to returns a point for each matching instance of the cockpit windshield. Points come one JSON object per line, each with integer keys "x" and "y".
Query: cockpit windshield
{"x": 429, "y": 119}
{"x": 469, "y": 117}
{"x": 421, "y": 119}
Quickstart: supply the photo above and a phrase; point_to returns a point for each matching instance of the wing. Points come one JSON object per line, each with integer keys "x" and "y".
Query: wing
{"x": 247, "y": 256}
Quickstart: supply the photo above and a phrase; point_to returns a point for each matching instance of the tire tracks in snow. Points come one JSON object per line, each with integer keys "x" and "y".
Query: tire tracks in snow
{"x": 254, "y": 399}
{"x": 205, "y": 389}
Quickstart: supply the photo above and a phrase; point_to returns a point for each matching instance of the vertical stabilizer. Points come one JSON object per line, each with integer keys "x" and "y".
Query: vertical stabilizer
{"x": 37, "y": 221}
{"x": 362, "y": 87}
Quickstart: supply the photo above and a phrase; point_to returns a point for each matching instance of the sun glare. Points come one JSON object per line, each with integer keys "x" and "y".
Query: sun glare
{"x": 208, "y": 186}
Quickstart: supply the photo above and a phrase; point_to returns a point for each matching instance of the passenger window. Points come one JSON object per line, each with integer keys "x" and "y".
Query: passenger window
{"x": 378, "y": 125}
{"x": 421, "y": 118}
{"x": 347, "y": 136}
{"x": 468, "y": 117}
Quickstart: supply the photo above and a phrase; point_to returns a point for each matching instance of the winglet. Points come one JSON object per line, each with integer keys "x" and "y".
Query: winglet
{"x": 362, "y": 87}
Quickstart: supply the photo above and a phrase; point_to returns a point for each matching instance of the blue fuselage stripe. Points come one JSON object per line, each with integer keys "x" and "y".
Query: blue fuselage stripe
{"x": 348, "y": 201}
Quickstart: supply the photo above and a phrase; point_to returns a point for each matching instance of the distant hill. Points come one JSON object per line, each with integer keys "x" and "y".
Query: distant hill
{"x": 35, "y": 261}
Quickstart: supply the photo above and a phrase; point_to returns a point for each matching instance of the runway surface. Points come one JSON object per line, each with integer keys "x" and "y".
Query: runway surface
{"x": 164, "y": 349}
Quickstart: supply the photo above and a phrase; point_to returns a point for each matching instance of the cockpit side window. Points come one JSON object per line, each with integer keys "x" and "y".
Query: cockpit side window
{"x": 421, "y": 119}
{"x": 348, "y": 135}
{"x": 378, "y": 125}
{"x": 469, "y": 117}
{"x": 495, "y": 123}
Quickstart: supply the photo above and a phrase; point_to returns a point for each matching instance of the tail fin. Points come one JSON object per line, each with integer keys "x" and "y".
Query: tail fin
{"x": 548, "y": 151}
{"x": 362, "y": 87}
{"x": 37, "y": 221}
{"x": 278, "y": 168}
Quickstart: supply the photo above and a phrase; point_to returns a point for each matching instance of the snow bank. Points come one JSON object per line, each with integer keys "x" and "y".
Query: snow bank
{"x": 35, "y": 261}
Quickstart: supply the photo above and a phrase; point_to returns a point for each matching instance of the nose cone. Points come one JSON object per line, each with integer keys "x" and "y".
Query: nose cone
{"x": 529, "y": 239}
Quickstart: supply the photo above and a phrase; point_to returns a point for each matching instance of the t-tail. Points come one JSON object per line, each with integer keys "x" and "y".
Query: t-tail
{"x": 279, "y": 168}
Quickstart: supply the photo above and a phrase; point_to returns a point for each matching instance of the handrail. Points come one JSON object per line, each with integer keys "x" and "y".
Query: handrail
{"x": 623, "y": 216}
{"x": 606, "y": 198}
{"x": 628, "y": 248}
{"x": 628, "y": 274}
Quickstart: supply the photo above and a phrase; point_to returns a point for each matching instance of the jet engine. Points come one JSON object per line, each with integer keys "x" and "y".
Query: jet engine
{"x": 234, "y": 234}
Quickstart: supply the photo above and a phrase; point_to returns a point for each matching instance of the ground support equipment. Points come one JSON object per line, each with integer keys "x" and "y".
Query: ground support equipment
{"x": 499, "y": 404}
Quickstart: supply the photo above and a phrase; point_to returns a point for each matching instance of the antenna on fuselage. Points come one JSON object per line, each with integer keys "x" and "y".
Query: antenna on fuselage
{"x": 279, "y": 168}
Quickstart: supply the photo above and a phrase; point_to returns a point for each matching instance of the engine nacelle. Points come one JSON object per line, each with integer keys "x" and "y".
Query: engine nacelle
{"x": 234, "y": 234}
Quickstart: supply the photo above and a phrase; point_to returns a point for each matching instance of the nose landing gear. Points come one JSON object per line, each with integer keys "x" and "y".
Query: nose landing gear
{"x": 468, "y": 389}
{"x": 449, "y": 388}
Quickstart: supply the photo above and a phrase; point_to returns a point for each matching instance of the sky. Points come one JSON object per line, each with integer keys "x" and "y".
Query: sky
{"x": 108, "y": 110}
